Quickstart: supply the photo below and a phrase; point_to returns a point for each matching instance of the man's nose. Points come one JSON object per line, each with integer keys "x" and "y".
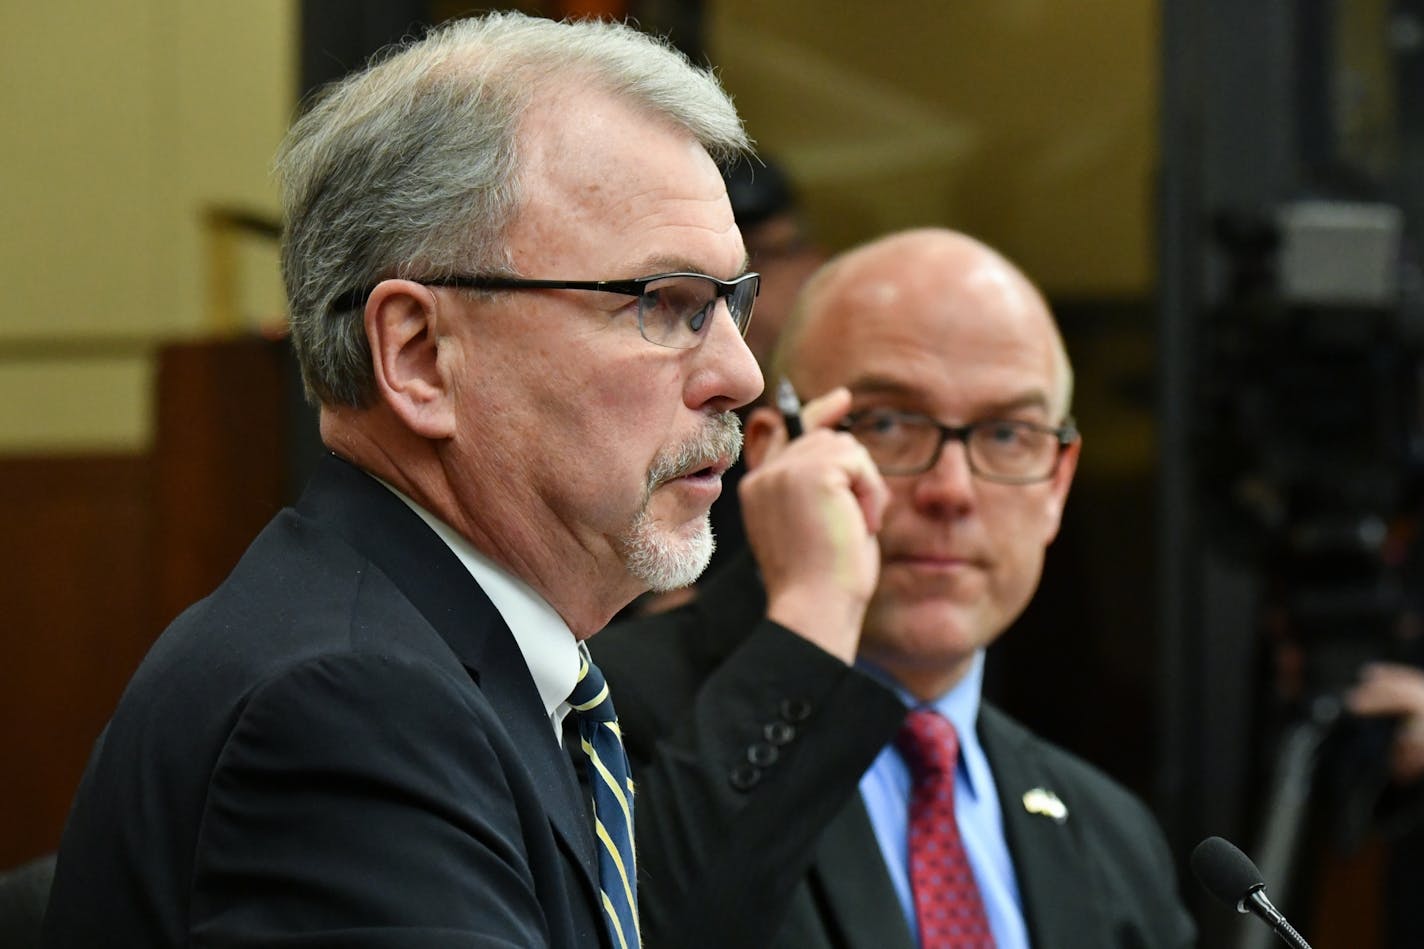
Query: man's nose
{"x": 727, "y": 375}
{"x": 948, "y": 485}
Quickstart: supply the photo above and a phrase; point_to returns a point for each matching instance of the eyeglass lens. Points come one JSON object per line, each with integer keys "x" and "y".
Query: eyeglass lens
{"x": 677, "y": 311}
{"x": 1008, "y": 449}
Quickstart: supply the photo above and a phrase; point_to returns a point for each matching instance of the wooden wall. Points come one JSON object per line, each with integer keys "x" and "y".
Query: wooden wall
{"x": 102, "y": 550}
{"x": 77, "y": 588}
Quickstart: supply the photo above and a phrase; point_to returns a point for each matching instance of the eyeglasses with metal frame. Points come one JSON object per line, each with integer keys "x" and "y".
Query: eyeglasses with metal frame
{"x": 674, "y": 309}
{"x": 1004, "y": 451}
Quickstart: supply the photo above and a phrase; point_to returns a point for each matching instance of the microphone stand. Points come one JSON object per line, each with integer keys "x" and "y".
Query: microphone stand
{"x": 1256, "y": 902}
{"x": 1287, "y": 810}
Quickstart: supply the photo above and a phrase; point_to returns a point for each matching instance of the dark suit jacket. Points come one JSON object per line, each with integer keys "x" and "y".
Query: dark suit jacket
{"x": 741, "y": 848}
{"x": 341, "y": 746}
{"x": 24, "y": 890}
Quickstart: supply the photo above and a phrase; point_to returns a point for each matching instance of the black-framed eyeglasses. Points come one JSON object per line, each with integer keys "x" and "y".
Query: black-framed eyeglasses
{"x": 674, "y": 309}
{"x": 1006, "y": 451}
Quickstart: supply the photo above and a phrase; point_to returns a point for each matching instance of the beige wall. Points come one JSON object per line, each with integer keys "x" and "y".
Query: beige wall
{"x": 1031, "y": 123}
{"x": 126, "y": 121}
{"x": 1028, "y": 122}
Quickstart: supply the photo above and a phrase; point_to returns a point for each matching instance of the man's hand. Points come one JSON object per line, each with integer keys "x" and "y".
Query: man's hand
{"x": 812, "y": 506}
{"x": 1386, "y": 688}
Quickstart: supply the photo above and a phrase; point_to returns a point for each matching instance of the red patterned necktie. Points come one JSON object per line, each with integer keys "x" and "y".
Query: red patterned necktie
{"x": 947, "y": 902}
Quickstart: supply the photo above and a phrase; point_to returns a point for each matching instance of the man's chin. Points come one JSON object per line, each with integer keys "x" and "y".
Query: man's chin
{"x": 933, "y": 626}
{"x": 668, "y": 558}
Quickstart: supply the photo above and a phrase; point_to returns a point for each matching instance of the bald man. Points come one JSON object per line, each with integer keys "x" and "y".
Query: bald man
{"x": 783, "y": 726}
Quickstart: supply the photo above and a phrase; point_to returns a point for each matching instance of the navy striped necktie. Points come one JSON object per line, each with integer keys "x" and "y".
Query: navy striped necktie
{"x": 612, "y": 803}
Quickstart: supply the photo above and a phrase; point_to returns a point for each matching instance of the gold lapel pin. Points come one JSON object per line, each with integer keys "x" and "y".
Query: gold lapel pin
{"x": 1045, "y": 803}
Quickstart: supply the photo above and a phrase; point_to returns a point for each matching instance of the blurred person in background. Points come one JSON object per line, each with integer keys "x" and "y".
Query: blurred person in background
{"x": 816, "y": 765}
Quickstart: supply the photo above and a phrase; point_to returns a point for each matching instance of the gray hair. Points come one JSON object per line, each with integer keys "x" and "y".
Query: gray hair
{"x": 410, "y": 168}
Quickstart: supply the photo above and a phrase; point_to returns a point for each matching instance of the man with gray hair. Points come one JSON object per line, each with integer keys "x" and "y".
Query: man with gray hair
{"x": 518, "y": 294}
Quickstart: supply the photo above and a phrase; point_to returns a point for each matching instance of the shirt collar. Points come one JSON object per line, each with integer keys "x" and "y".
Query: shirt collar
{"x": 960, "y": 705}
{"x": 549, "y": 647}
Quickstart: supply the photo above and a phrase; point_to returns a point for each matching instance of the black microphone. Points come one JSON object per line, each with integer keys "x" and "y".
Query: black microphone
{"x": 1230, "y": 876}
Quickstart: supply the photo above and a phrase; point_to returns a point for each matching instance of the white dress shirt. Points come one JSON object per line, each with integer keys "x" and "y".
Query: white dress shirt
{"x": 548, "y": 645}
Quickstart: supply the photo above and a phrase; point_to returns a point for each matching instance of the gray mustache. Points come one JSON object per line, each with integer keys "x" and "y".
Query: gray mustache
{"x": 721, "y": 438}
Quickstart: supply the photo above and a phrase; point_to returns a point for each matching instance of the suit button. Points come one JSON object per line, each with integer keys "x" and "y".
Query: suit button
{"x": 795, "y": 710}
{"x": 763, "y": 755}
{"x": 745, "y": 776}
{"x": 779, "y": 733}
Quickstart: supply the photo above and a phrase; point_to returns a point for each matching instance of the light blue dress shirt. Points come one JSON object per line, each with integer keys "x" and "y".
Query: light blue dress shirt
{"x": 886, "y": 790}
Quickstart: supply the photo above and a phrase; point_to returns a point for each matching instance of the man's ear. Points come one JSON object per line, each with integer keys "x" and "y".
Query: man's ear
{"x": 762, "y": 430}
{"x": 1058, "y": 487}
{"x": 401, "y": 323}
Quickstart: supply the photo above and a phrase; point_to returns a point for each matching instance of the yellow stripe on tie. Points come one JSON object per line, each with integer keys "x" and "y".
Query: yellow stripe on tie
{"x": 611, "y": 912}
{"x": 609, "y": 780}
{"x": 617, "y": 858}
{"x": 594, "y": 702}
{"x": 606, "y": 766}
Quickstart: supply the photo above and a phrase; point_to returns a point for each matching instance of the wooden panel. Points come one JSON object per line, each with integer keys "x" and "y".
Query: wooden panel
{"x": 101, "y": 551}
{"x": 218, "y": 461}
{"x": 1349, "y": 908}
{"x": 77, "y": 589}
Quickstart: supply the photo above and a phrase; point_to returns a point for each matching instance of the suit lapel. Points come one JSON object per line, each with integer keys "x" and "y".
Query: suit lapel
{"x": 505, "y": 680}
{"x": 860, "y": 901}
{"x": 1049, "y": 860}
{"x": 378, "y": 524}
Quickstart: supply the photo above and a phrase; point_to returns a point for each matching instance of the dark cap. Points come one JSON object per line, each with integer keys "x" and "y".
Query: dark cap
{"x": 758, "y": 189}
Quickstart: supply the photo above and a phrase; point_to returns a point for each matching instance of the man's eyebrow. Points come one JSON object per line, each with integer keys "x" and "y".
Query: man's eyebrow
{"x": 663, "y": 263}
{"x": 880, "y": 385}
{"x": 1033, "y": 399}
{"x": 885, "y": 385}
